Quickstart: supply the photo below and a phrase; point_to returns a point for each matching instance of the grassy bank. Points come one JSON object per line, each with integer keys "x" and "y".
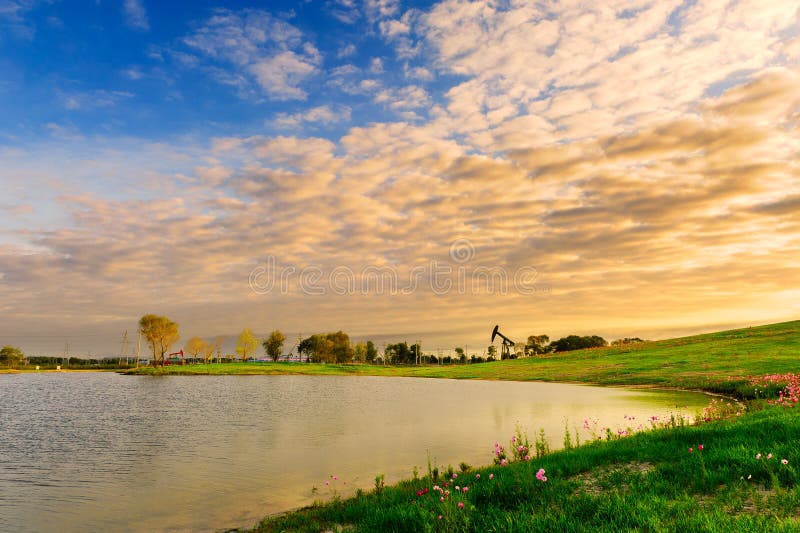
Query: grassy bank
{"x": 650, "y": 481}
{"x": 718, "y": 362}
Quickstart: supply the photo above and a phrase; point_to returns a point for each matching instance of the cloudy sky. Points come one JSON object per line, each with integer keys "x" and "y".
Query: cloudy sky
{"x": 618, "y": 167}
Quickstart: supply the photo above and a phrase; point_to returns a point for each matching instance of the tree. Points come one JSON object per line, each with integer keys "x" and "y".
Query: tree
{"x": 11, "y": 356}
{"x": 327, "y": 348}
{"x": 211, "y": 348}
{"x": 160, "y": 333}
{"x": 574, "y": 342}
{"x": 372, "y": 352}
{"x": 399, "y": 353}
{"x": 537, "y": 345}
{"x": 626, "y": 341}
{"x": 360, "y": 352}
{"x": 491, "y": 351}
{"x": 246, "y": 344}
{"x": 342, "y": 349}
{"x": 273, "y": 346}
{"x": 195, "y": 346}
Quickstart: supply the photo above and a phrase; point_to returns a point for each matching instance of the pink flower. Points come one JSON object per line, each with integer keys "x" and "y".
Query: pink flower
{"x": 502, "y": 462}
{"x": 458, "y": 488}
{"x": 464, "y": 489}
{"x": 785, "y": 461}
{"x": 540, "y": 475}
{"x": 700, "y": 447}
{"x": 769, "y": 456}
{"x": 439, "y": 517}
{"x": 491, "y": 476}
{"x": 477, "y": 476}
{"x": 460, "y": 505}
{"x": 335, "y": 478}
{"x": 690, "y": 450}
{"x": 527, "y": 457}
{"x": 758, "y": 456}
{"x": 455, "y": 476}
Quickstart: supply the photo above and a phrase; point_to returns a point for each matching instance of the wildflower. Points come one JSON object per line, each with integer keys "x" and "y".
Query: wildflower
{"x": 458, "y": 488}
{"x": 540, "y": 475}
{"x": 334, "y": 478}
{"x": 758, "y": 456}
{"x": 527, "y": 457}
{"x": 441, "y": 498}
{"x": 690, "y": 450}
{"x": 700, "y": 447}
{"x": 464, "y": 489}
{"x": 750, "y": 476}
{"x": 502, "y": 462}
{"x": 460, "y": 505}
{"x": 455, "y": 476}
{"x": 769, "y": 456}
{"x": 491, "y": 476}
{"x": 477, "y": 476}
{"x": 784, "y": 461}
{"x": 439, "y": 517}
{"x": 327, "y": 482}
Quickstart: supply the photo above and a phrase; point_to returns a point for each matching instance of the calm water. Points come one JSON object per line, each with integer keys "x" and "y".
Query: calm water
{"x": 100, "y": 451}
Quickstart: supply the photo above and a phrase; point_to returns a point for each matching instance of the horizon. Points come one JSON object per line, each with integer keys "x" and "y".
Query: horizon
{"x": 397, "y": 170}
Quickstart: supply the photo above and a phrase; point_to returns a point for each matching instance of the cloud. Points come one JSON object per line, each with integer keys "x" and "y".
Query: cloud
{"x": 13, "y": 19}
{"x": 324, "y": 115}
{"x": 380, "y": 9}
{"x": 135, "y": 15}
{"x": 281, "y": 75}
{"x": 406, "y": 98}
{"x": 347, "y": 50}
{"x": 98, "y": 98}
{"x": 254, "y": 47}
{"x": 345, "y": 11}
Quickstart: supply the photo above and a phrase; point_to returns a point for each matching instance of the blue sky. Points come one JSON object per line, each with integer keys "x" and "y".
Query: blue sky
{"x": 638, "y": 157}
{"x": 162, "y": 69}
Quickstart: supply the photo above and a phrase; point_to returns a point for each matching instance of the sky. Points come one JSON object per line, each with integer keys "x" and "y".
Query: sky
{"x": 402, "y": 171}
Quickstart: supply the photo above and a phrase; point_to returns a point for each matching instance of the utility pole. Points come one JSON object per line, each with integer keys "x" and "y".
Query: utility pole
{"x": 419, "y": 355}
{"x": 123, "y": 351}
{"x": 138, "y": 345}
{"x": 299, "y": 340}
{"x": 66, "y": 355}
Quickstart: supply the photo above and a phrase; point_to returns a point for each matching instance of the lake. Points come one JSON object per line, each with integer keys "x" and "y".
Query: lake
{"x": 102, "y": 451}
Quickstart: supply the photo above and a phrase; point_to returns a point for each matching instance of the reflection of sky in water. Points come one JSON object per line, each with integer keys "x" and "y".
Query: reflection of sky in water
{"x": 103, "y": 451}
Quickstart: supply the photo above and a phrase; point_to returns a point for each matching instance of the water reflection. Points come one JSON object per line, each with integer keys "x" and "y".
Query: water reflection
{"x": 99, "y": 451}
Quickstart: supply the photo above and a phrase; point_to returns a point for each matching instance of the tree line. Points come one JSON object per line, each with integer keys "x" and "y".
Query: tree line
{"x": 161, "y": 334}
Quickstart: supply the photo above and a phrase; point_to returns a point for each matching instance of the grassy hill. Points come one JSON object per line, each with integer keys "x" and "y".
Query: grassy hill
{"x": 718, "y": 362}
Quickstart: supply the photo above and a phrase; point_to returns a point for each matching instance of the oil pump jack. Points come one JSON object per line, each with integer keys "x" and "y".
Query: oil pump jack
{"x": 505, "y": 351}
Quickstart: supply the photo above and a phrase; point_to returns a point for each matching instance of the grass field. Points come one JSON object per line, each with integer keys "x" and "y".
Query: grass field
{"x": 718, "y": 362}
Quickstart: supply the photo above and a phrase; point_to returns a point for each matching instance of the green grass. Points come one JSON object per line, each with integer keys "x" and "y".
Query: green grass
{"x": 646, "y": 482}
{"x": 717, "y": 362}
